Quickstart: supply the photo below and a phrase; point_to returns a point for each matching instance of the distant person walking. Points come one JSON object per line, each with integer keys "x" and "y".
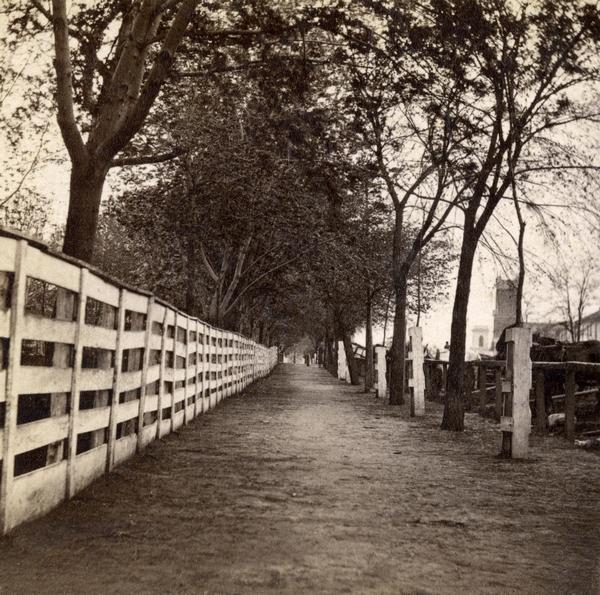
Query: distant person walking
{"x": 307, "y": 359}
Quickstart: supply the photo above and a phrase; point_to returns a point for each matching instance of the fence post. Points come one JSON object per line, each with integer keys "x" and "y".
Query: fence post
{"x": 74, "y": 406}
{"x": 186, "y": 390}
{"x": 342, "y": 364}
{"x": 197, "y": 384}
{"x": 481, "y": 380}
{"x": 541, "y": 421}
{"x": 516, "y": 421}
{"x": 146, "y": 359}
{"x": 381, "y": 388}
{"x": 17, "y": 304}
{"x": 112, "y": 424}
{"x": 417, "y": 382}
{"x": 570, "y": 405}
{"x": 161, "y": 374}
{"x": 498, "y": 394}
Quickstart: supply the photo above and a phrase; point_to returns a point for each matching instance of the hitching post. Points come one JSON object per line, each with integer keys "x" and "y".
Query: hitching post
{"x": 342, "y": 364}
{"x": 515, "y": 422}
{"x": 417, "y": 381}
{"x": 381, "y": 389}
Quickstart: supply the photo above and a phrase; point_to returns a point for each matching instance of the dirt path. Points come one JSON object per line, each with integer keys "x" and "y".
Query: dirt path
{"x": 304, "y": 485}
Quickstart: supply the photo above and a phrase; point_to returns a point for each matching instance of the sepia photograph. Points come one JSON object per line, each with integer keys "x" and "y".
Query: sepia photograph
{"x": 300, "y": 297}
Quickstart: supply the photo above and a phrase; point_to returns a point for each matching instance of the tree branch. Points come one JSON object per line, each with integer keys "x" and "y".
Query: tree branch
{"x": 147, "y": 159}
{"x": 64, "y": 88}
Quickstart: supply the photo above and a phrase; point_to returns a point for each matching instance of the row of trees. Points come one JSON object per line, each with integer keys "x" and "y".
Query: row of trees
{"x": 298, "y": 169}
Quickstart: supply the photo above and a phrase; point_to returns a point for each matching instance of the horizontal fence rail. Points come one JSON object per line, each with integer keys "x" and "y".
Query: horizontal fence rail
{"x": 92, "y": 370}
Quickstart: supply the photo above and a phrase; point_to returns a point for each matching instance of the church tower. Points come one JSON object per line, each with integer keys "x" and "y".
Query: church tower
{"x": 505, "y": 311}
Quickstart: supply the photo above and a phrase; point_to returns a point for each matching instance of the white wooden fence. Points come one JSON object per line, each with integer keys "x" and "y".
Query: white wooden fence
{"x": 91, "y": 371}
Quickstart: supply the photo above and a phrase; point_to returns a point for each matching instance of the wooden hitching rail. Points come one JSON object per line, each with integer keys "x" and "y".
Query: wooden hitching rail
{"x": 538, "y": 368}
{"x": 93, "y": 378}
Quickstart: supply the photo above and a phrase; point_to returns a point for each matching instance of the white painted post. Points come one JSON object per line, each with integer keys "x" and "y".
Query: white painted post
{"x": 186, "y": 390}
{"x": 342, "y": 364}
{"x": 17, "y": 305}
{"x": 197, "y": 384}
{"x": 416, "y": 384}
{"x": 74, "y": 408}
{"x": 147, "y": 337}
{"x": 116, "y": 385}
{"x": 161, "y": 374}
{"x": 515, "y": 422}
{"x": 381, "y": 389}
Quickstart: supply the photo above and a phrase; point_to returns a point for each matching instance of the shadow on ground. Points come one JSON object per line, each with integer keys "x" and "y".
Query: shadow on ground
{"x": 304, "y": 485}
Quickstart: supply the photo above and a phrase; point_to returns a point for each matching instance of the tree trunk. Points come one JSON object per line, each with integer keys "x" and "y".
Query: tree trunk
{"x": 454, "y": 411}
{"x": 351, "y": 361}
{"x": 521, "y": 278}
{"x": 369, "y": 364}
{"x": 398, "y": 351}
{"x": 85, "y": 194}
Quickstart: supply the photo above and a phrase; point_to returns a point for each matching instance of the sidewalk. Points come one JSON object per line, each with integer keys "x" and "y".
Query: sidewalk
{"x": 305, "y": 485}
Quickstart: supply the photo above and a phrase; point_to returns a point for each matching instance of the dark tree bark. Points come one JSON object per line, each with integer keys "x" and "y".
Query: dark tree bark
{"x": 398, "y": 351}
{"x": 453, "y": 418}
{"x": 369, "y": 363}
{"x": 351, "y": 361}
{"x": 85, "y": 194}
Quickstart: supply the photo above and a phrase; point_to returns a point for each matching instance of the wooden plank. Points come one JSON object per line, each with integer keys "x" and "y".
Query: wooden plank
{"x": 178, "y": 395}
{"x": 150, "y": 403}
{"x": 134, "y": 339}
{"x": 541, "y": 419}
{"x": 165, "y": 427}
{"x": 87, "y": 467}
{"x": 102, "y": 291}
{"x": 39, "y": 433}
{"x": 149, "y": 434}
{"x": 498, "y": 394}
{"x": 36, "y": 493}
{"x": 116, "y": 388}
{"x": 136, "y": 302}
{"x": 42, "y": 379}
{"x": 130, "y": 380}
{"x": 570, "y": 406}
{"x": 46, "y": 267}
{"x": 99, "y": 337}
{"x": 11, "y": 389}
{"x": 89, "y": 420}
{"x": 124, "y": 449}
{"x": 153, "y": 374}
{"x": 482, "y": 391}
{"x": 127, "y": 411}
{"x": 96, "y": 379}
{"x": 178, "y": 419}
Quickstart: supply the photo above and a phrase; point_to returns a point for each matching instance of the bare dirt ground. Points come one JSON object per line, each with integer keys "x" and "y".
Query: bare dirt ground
{"x": 305, "y": 485}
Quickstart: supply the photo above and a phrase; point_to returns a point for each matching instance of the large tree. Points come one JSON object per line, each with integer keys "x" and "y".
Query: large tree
{"x": 111, "y": 60}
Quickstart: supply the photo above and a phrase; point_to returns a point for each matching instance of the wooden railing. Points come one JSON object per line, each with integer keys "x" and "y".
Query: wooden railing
{"x": 92, "y": 370}
{"x": 483, "y": 386}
